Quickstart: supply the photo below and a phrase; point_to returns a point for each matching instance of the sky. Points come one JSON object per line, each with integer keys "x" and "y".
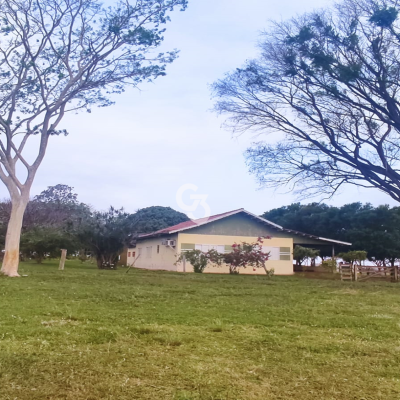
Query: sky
{"x": 164, "y": 139}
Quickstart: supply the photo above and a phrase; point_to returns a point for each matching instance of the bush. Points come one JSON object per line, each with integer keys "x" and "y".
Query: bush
{"x": 197, "y": 258}
{"x": 329, "y": 265}
{"x": 270, "y": 272}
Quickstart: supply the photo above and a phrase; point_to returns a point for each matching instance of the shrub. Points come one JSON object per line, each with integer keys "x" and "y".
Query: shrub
{"x": 199, "y": 259}
{"x": 329, "y": 265}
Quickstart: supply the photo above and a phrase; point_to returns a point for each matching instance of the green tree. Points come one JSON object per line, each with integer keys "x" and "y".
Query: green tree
{"x": 56, "y": 207}
{"x": 60, "y": 56}
{"x": 376, "y": 230}
{"x": 301, "y": 254}
{"x": 58, "y": 194}
{"x": 151, "y": 219}
{"x": 326, "y": 86}
{"x": 373, "y": 229}
{"x": 40, "y": 243}
{"x": 55, "y": 214}
{"x": 106, "y": 234}
{"x": 354, "y": 256}
{"x": 314, "y": 218}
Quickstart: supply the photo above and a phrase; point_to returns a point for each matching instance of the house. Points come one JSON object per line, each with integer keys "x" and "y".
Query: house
{"x": 159, "y": 250}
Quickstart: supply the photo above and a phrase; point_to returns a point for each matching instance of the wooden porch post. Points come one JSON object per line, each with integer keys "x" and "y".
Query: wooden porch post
{"x": 333, "y": 258}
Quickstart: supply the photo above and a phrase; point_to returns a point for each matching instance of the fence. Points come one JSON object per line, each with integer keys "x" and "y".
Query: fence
{"x": 349, "y": 272}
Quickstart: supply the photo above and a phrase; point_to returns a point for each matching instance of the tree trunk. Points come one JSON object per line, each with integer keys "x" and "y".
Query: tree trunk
{"x": 11, "y": 256}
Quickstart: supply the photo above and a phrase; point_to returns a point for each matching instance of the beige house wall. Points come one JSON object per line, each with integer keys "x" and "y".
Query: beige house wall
{"x": 161, "y": 258}
{"x": 165, "y": 258}
{"x": 281, "y": 267}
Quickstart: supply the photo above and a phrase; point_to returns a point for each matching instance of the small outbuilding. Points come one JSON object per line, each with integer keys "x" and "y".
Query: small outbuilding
{"x": 159, "y": 250}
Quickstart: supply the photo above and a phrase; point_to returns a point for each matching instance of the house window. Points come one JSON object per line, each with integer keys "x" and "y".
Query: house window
{"x": 187, "y": 246}
{"x": 129, "y": 253}
{"x": 206, "y": 247}
{"x": 133, "y": 254}
{"x": 284, "y": 253}
{"x": 228, "y": 248}
{"x": 148, "y": 251}
{"x": 274, "y": 254}
{"x": 158, "y": 249}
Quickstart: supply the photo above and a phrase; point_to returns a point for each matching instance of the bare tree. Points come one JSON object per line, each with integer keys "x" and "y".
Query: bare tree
{"x": 58, "y": 56}
{"x": 326, "y": 86}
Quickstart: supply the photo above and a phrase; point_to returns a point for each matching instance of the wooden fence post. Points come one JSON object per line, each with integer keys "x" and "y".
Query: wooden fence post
{"x": 395, "y": 273}
{"x": 355, "y": 272}
{"x": 62, "y": 259}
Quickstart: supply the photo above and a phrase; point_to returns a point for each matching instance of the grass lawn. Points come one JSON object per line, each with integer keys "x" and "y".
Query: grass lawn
{"x": 89, "y": 334}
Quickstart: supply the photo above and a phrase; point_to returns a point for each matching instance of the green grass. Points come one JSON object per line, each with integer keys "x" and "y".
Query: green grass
{"x": 89, "y": 334}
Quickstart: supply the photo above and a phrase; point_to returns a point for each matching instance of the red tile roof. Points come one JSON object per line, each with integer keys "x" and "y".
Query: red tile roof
{"x": 201, "y": 221}
{"x": 192, "y": 223}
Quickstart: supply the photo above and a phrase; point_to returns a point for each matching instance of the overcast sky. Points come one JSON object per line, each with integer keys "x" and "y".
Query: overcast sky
{"x": 139, "y": 152}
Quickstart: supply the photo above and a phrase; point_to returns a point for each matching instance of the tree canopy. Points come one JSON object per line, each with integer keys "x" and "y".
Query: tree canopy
{"x": 61, "y": 56}
{"x": 40, "y": 243}
{"x": 325, "y": 88}
{"x": 56, "y": 219}
{"x": 105, "y": 234}
{"x": 153, "y": 218}
{"x": 61, "y": 194}
{"x": 300, "y": 254}
{"x": 55, "y": 209}
{"x": 371, "y": 229}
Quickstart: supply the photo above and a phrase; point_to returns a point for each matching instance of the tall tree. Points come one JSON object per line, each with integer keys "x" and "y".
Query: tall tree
{"x": 53, "y": 208}
{"x": 375, "y": 230}
{"x": 56, "y": 207}
{"x": 106, "y": 233}
{"x": 58, "y": 56}
{"x": 314, "y": 218}
{"x": 153, "y": 218}
{"x": 326, "y": 88}
{"x": 60, "y": 194}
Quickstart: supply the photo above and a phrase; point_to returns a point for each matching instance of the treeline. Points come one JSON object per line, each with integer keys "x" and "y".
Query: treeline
{"x": 56, "y": 220}
{"x": 375, "y": 230}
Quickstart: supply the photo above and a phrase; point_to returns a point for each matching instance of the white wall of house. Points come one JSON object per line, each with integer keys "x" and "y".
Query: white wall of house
{"x": 152, "y": 254}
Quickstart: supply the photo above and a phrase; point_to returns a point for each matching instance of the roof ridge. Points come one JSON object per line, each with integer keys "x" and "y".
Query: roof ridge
{"x": 205, "y": 220}
{"x": 192, "y": 223}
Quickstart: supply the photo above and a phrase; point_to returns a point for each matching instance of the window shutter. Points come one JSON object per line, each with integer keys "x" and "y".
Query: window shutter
{"x": 228, "y": 248}
{"x": 284, "y": 253}
{"x": 187, "y": 246}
